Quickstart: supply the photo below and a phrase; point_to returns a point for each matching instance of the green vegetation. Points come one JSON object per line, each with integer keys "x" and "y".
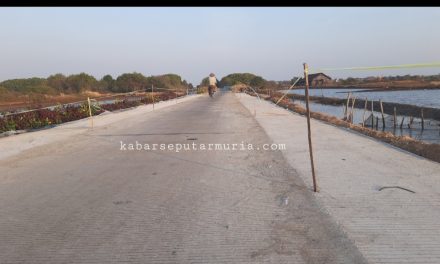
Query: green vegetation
{"x": 243, "y": 78}
{"x": 78, "y": 83}
{"x": 27, "y": 86}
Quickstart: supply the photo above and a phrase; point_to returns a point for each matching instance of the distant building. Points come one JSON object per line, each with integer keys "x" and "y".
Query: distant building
{"x": 316, "y": 79}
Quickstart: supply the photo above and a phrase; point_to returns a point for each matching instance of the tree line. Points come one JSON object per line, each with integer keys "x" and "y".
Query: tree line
{"x": 78, "y": 83}
{"x": 255, "y": 81}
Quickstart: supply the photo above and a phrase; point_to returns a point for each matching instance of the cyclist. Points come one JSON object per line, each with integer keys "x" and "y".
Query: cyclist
{"x": 212, "y": 84}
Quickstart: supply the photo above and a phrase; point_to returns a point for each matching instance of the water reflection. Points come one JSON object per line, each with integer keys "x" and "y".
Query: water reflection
{"x": 427, "y": 98}
{"x": 431, "y": 133}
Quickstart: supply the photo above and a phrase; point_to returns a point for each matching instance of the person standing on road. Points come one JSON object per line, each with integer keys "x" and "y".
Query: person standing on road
{"x": 212, "y": 83}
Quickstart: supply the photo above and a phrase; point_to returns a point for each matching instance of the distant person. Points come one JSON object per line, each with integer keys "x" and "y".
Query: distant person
{"x": 212, "y": 84}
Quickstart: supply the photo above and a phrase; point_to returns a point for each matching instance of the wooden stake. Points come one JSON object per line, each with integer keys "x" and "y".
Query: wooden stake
{"x": 306, "y": 78}
{"x": 383, "y": 117}
{"x": 401, "y": 123}
{"x": 395, "y": 117}
{"x": 352, "y": 109}
{"x": 346, "y": 106}
{"x": 377, "y": 122}
{"x": 90, "y": 111}
{"x": 372, "y": 116}
{"x": 365, "y": 111}
{"x": 152, "y": 95}
{"x": 423, "y": 119}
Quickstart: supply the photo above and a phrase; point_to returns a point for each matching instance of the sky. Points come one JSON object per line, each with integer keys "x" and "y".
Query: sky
{"x": 195, "y": 41}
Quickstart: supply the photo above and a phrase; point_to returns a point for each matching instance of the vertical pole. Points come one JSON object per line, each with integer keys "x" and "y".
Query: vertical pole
{"x": 383, "y": 117}
{"x": 352, "y": 109}
{"x": 423, "y": 119}
{"x": 152, "y": 95}
{"x": 346, "y": 106}
{"x": 306, "y": 78}
{"x": 372, "y": 116}
{"x": 90, "y": 111}
{"x": 365, "y": 111}
{"x": 395, "y": 117}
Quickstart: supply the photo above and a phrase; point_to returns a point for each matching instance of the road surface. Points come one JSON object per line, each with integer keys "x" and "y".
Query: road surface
{"x": 82, "y": 199}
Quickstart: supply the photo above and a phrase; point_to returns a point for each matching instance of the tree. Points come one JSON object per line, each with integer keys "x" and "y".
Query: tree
{"x": 81, "y": 82}
{"x": 129, "y": 82}
{"x": 108, "y": 83}
{"x": 205, "y": 82}
{"x": 243, "y": 78}
{"x": 168, "y": 81}
{"x": 58, "y": 82}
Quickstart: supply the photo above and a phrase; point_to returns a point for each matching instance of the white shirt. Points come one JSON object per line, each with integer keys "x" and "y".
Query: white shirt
{"x": 212, "y": 80}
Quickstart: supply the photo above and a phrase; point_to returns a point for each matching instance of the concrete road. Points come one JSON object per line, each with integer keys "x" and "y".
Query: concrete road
{"x": 84, "y": 200}
{"x": 389, "y": 225}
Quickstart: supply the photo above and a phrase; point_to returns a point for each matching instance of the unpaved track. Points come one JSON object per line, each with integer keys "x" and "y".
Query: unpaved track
{"x": 83, "y": 200}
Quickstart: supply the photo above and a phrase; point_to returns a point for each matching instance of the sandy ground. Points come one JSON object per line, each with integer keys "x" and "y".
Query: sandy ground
{"x": 388, "y": 226}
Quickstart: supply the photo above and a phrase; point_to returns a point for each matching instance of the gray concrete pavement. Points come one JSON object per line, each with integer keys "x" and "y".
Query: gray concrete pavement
{"x": 387, "y": 226}
{"x": 83, "y": 200}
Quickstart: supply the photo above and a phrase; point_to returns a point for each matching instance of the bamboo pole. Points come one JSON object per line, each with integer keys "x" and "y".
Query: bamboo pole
{"x": 346, "y": 106}
{"x": 365, "y": 111}
{"x": 152, "y": 94}
{"x": 352, "y": 109}
{"x": 90, "y": 111}
{"x": 383, "y": 117}
{"x": 306, "y": 78}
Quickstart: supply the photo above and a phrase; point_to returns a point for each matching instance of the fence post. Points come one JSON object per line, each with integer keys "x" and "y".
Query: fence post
{"x": 395, "y": 117}
{"x": 346, "y": 106}
{"x": 152, "y": 94}
{"x": 411, "y": 119}
{"x": 90, "y": 111}
{"x": 352, "y": 109}
{"x": 383, "y": 117}
{"x": 372, "y": 115}
{"x": 365, "y": 111}
{"x": 306, "y": 78}
{"x": 423, "y": 119}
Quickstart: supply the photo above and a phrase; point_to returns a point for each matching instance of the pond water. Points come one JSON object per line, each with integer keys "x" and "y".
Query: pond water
{"x": 431, "y": 133}
{"x": 427, "y": 98}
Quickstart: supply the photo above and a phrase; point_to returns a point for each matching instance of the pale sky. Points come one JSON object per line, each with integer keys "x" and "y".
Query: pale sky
{"x": 192, "y": 42}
